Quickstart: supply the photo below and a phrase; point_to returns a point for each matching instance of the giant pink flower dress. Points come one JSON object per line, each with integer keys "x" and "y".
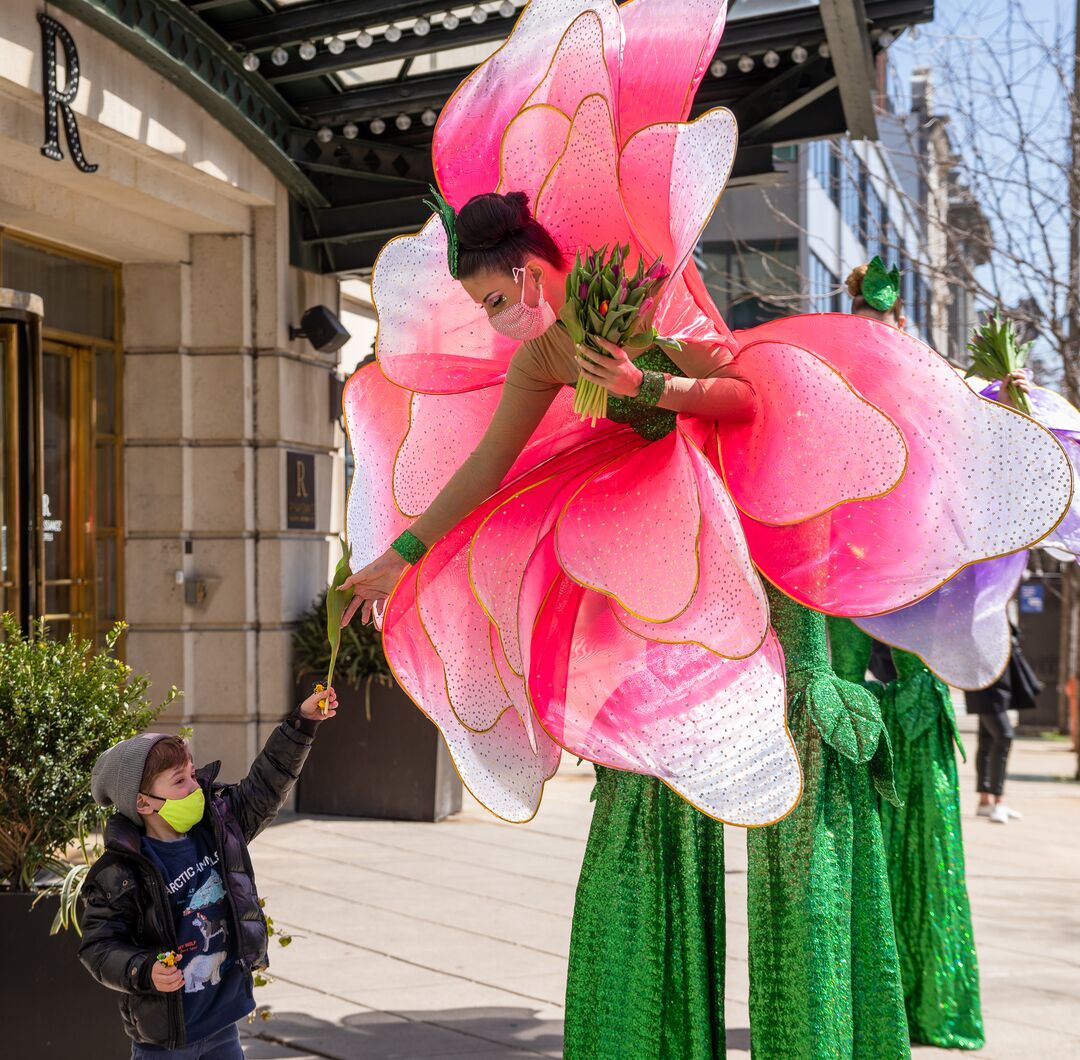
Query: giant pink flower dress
{"x": 598, "y": 589}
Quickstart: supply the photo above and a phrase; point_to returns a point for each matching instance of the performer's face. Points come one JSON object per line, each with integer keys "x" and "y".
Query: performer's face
{"x": 493, "y": 291}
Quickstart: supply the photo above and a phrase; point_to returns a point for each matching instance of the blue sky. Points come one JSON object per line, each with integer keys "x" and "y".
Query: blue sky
{"x": 982, "y": 52}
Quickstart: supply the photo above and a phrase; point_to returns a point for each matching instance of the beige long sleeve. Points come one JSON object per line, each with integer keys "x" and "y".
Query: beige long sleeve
{"x": 528, "y": 392}
{"x": 538, "y": 370}
{"x": 713, "y": 386}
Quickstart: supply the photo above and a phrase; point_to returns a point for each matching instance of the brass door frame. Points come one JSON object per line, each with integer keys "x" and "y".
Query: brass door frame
{"x": 77, "y": 535}
{"x": 20, "y": 320}
{"x": 9, "y": 371}
{"x": 97, "y": 344}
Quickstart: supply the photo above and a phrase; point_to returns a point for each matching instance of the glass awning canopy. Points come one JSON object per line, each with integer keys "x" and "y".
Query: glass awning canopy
{"x": 340, "y": 96}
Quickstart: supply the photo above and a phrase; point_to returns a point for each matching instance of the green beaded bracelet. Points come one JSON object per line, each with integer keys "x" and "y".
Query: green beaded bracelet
{"x": 409, "y": 547}
{"x": 652, "y": 387}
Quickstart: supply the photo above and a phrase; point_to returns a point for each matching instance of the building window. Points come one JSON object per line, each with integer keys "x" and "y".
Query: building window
{"x": 870, "y": 215}
{"x": 850, "y": 197}
{"x": 751, "y": 280}
{"x": 824, "y": 287}
{"x": 823, "y": 161}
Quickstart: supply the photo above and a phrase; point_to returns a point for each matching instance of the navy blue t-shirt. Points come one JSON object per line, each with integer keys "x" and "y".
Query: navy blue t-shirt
{"x": 216, "y": 990}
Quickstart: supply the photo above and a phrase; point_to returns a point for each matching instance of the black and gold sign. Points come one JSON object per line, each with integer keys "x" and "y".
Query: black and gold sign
{"x": 300, "y": 486}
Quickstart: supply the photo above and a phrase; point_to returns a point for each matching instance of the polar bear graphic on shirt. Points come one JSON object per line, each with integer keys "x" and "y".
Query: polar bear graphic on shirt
{"x": 203, "y": 969}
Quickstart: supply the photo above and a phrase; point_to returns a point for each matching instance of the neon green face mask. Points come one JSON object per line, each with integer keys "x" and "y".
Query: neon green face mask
{"x": 181, "y": 814}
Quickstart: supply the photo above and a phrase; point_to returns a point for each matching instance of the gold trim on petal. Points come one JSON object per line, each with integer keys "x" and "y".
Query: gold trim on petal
{"x": 614, "y": 596}
{"x": 721, "y": 820}
{"x": 846, "y": 500}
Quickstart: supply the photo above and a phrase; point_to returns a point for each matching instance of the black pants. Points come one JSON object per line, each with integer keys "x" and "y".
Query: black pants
{"x": 995, "y": 739}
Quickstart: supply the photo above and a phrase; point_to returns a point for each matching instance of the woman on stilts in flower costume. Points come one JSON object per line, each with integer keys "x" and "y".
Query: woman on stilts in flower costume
{"x": 558, "y": 585}
{"x": 962, "y": 632}
{"x": 920, "y": 827}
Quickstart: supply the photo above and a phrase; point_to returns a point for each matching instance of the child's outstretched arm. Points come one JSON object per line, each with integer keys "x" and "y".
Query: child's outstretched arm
{"x": 256, "y": 799}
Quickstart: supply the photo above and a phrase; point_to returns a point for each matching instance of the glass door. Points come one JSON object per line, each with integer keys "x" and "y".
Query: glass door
{"x": 9, "y": 471}
{"x": 66, "y": 513}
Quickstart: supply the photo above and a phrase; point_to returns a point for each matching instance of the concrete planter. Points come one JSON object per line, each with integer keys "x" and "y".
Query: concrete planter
{"x": 393, "y": 765}
{"x": 53, "y": 1009}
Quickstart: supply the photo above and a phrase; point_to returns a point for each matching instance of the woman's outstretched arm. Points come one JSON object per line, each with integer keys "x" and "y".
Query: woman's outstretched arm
{"x": 526, "y": 397}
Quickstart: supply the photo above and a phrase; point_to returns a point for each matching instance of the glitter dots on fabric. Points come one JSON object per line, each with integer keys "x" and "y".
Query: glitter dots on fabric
{"x": 579, "y": 203}
{"x": 728, "y": 614}
{"x": 669, "y": 218}
{"x": 430, "y": 453}
{"x": 644, "y": 504}
{"x": 431, "y": 337}
{"x": 377, "y": 417}
{"x": 491, "y": 634}
{"x": 1063, "y": 421}
{"x": 774, "y": 463}
{"x": 712, "y": 729}
{"x": 954, "y": 505}
{"x": 498, "y": 766}
{"x": 578, "y": 68}
{"x": 961, "y": 631}
{"x": 467, "y": 138}
{"x": 532, "y": 145}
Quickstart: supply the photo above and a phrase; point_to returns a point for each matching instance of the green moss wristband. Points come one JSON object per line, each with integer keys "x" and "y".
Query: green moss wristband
{"x": 652, "y": 387}
{"x": 409, "y": 547}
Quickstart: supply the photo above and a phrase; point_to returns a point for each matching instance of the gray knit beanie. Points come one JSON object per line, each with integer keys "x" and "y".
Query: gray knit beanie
{"x": 118, "y": 773}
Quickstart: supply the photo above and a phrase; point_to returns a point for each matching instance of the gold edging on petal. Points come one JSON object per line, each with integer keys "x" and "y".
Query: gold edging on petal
{"x": 721, "y": 820}
{"x": 446, "y": 681}
{"x": 509, "y": 125}
{"x": 846, "y": 500}
{"x": 676, "y": 268}
{"x": 970, "y": 562}
{"x": 753, "y": 569}
{"x": 469, "y": 565}
{"x": 453, "y": 760}
{"x": 613, "y": 596}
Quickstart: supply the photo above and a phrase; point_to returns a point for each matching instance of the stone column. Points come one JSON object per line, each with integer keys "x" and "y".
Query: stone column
{"x": 190, "y": 490}
{"x": 216, "y": 395}
{"x": 292, "y": 414}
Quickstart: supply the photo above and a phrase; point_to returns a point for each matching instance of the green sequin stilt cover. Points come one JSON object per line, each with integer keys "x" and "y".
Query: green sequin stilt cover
{"x": 824, "y": 973}
{"x": 925, "y": 850}
{"x": 646, "y": 978}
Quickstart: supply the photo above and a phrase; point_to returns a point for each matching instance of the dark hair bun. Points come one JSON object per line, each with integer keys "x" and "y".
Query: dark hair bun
{"x": 486, "y": 220}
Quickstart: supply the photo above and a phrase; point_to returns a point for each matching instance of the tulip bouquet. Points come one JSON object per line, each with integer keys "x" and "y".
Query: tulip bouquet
{"x": 603, "y": 299}
{"x": 996, "y": 354}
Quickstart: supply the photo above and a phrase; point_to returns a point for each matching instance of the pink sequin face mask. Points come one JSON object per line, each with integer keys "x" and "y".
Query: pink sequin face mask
{"x": 522, "y": 321}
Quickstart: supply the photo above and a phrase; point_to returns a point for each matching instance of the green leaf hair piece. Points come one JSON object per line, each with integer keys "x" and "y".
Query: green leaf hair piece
{"x": 449, "y": 222}
{"x": 880, "y": 289}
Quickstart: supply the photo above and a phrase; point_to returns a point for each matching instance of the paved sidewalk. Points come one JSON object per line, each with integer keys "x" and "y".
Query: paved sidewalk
{"x": 450, "y": 940}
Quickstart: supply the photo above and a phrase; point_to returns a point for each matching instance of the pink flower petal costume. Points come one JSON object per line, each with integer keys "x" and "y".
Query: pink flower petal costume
{"x": 596, "y": 589}
{"x": 961, "y": 632}
{"x": 856, "y": 494}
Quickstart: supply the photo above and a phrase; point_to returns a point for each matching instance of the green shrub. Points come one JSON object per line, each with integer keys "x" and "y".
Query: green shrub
{"x": 360, "y": 655}
{"x": 61, "y": 705}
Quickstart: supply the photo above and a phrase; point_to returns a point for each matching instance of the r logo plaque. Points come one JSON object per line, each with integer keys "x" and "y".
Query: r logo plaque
{"x": 300, "y": 491}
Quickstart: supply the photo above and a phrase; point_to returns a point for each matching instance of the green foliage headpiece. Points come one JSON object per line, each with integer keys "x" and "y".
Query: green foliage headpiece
{"x": 449, "y": 222}
{"x": 880, "y": 289}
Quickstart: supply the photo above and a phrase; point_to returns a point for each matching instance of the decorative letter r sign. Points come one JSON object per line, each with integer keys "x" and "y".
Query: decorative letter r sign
{"x": 57, "y": 103}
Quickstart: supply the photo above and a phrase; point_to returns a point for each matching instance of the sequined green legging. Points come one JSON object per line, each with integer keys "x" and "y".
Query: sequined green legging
{"x": 824, "y": 973}
{"x": 646, "y": 978}
{"x": 925, "y": 850}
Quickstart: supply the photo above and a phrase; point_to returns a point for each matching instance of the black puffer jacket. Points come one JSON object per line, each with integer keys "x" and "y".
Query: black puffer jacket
{"x": 127, "y": 919}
